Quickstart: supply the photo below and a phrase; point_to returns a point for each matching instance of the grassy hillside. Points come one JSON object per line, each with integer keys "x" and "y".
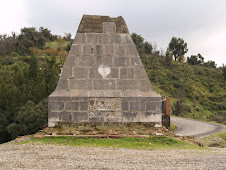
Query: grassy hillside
{"x": 196, "y": 91}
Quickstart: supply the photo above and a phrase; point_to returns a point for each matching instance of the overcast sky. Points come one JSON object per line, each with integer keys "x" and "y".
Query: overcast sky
{"x": 201, "y": 23}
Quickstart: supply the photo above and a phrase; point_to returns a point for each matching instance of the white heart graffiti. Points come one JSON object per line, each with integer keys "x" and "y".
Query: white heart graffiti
{"x": 104, "y": 70}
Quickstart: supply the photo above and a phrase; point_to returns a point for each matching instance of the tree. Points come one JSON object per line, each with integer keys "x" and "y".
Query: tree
{"x": 169, "y": 57}
{"x": 29, "y": 119}
{"x": 224, "y": 72}
{"x": 33, "y": 69}
{"x": 139, "y": 42}
{"x": 211, "y": 64}
{"x": 178, "y": 47}
{"x": 67, "y": 36}
{"x": 29, "y": 37}
{"x": 61, "y": 43}
{"x": 62, "y": 54}
{"x": 148, "y": 48}
{"x": 4, "y": 119}
{"x": 7, "y": 44}
{"x": 46, "y": 33}
{"x": 195, "y": 60}
{"x": 51, "y": 74}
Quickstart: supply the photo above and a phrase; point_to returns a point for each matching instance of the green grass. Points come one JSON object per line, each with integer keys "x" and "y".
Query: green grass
{"x": 222, "y": 135}
{"x": 55, "y": 45}
{"x": 218, "y": 139}
{"x": 152, "y": 142}
{"x": 172, "y": 127}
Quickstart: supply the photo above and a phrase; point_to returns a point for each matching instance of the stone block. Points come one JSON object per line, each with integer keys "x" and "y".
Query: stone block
{"x": 82, "y": 98}
{"x": 114, "y": 74}
{"x": 60, "y": 95}
{"x": 71, "y": 61}
{"x": 138, "y": 62}
{"x": 151, "y": 115}
{"x": 125, "y": 106}
{"x": 86, "y": 60}
{"x": 131, "y": 50}
{"x": 93, "y": 73}
{"x": 137, "y": 106}
{"x": 135, "y": 99}
{"x": 145, "y": 85}
{"x": 63, "y": 84}
{"x": 112, "y": 38}
{"x": 98, "y": 85}
{"x": 153, "y": 106}
{"x": 88, "y": 49}
{"x": 123, "y": 38}
{"x": 78, "y": 84}
{"x": 75, "y": 106}
{"x": 103, "y": 39}
{"x": 78, "y": 93}
{"x": 84, "y": 105}
{"x": 109, "y": 84}
{"x": 81, "y": 72}
{"x": 99, "y": 50}
{"x": 120, "y": 49}
{"x": 71, "y": 106}
{"x": 130, "y": 117}
{"x": 75, "y": 49}
{"x": 54, "y": 116}
{"x": 55, "y": 106}
{"x": 126, "y": 73}
{"x": 109, "y": 27}
{"x": 80, "y": 116}
{"x": 66, "y": 116}
{"x": 92, "y": 38}
{"x": 109, "y": 119}
{"x": 96, "y": 119}
{"x": 140, "y": 73}
{"x": 80, "y": 38}
{"x": 130, "y": 93}
{"x": 66, "y": 72}
{"x": 96, "y": 93}
{"x": 103, "y": 60}
{"x": 128, "y": 38}
{"x": 121, "y": 62}
{"x": 112, "y": 93}
{"x": 109, "y": 49}
{"x": 104, "y": 85}
{"x": 127, "y": 85}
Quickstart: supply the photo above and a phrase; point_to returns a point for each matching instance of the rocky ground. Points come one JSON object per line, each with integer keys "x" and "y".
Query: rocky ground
{"x": 34, "y": 156}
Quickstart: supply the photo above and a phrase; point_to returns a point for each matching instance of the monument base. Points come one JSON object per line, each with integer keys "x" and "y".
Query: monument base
{"x": 102, "y": 109}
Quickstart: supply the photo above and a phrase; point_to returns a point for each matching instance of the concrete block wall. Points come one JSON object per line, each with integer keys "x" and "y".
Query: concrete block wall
{"x": 90, "y": 109}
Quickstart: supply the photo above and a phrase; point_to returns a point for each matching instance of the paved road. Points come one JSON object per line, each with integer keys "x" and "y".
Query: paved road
{"x": 189, "y": 127}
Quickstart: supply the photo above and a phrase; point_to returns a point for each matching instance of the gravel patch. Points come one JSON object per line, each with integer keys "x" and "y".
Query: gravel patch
{"x": 33, "y": 156}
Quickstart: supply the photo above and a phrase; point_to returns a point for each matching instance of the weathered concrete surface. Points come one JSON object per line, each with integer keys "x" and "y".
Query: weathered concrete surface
{"x": 96, "y": 24}
{"x": 103, "y": 79}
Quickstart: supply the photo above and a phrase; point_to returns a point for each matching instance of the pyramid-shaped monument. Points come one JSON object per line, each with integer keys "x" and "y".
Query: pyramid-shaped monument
{"x": 103, "y": 78}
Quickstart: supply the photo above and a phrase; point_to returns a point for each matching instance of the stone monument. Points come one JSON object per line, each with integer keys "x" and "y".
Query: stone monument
{"x": 103, "y": 78}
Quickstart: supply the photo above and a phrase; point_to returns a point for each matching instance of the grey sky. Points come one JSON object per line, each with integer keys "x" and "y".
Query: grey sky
{"x": 201, "y": 23}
